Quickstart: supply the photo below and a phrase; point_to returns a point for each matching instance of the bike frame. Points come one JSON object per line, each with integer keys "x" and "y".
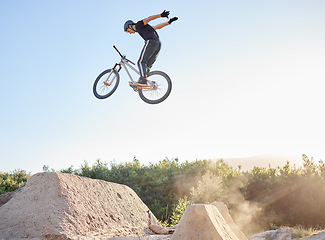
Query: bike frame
{"x": 125, "y": 63}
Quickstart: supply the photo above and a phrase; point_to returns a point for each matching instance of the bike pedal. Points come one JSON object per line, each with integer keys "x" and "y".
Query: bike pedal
{"x": 133, "y": 87}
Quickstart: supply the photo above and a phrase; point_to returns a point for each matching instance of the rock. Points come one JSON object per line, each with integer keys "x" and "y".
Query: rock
{"x": 279, "y": 234}
{"x": 318, "y": 236}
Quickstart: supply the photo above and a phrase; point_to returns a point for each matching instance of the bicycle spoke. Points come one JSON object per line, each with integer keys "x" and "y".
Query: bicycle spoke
{"x": 159, "y": 88}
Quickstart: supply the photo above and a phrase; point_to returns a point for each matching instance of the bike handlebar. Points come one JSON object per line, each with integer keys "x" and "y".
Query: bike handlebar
{"x": 117, "y": 50}
{"x": 122, "y": 56}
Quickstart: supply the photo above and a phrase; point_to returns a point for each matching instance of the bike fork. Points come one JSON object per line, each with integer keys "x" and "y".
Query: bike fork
{"x": 106, "y": 81}
{"x": 114, "y": 68}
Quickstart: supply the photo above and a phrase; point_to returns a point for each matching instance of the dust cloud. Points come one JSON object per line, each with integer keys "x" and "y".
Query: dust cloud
{"x": 210, "y": 188}
{"x": 247, "y": 215}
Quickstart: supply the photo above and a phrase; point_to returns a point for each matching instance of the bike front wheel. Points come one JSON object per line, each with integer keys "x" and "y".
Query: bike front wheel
{"x": 159, "y": 88}
{"x": 106, "y": 83}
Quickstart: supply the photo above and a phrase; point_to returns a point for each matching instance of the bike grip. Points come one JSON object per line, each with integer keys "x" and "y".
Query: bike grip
{"x": 117, "y": 50}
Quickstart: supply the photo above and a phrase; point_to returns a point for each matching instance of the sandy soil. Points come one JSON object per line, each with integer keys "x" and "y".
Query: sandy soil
{"x": 65, "y": 206}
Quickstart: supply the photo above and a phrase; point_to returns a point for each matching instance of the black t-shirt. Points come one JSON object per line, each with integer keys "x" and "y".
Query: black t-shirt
{"x": 146, "y": 31}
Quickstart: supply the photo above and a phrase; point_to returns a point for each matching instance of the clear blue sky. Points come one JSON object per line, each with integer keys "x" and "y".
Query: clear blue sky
{"x": 248, "y": 79}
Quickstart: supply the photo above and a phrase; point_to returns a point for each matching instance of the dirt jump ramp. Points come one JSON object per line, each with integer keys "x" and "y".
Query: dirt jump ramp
{"x": 207, "y": 222}
{"x": 65, "y": 206}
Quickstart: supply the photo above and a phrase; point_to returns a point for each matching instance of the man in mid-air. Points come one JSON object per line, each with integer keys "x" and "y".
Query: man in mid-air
{"x": 152, "y": 44}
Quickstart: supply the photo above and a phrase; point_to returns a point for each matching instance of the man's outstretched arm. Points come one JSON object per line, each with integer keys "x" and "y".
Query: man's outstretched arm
{"x": 161, "y": 25}
{"x": 153, "y": 17}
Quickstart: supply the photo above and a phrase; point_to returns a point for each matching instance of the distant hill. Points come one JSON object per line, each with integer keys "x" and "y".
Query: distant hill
{"x": 273, "y": 161}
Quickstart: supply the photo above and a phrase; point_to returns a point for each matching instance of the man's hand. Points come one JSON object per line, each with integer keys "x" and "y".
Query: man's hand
{"x": 164, "y": 14}
{"x": 172, "y": 20}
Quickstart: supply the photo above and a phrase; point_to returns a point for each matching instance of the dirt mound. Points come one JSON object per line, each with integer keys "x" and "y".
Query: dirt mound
{"x": 5, "y": 197}
{"x": 65, "y": 206}
{"x": 206, "y": 222}
{"x": 223, "y": 209}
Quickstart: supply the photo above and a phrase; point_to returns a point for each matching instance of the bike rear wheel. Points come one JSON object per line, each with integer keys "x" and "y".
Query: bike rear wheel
{"x": 159, "y": 89}
{"x": 106, "y": 83}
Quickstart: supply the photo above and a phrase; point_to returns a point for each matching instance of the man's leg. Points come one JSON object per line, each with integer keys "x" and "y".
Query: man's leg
{"x": 148, "y": 56}
{"x": 154, "y": 56}
{"x": 142, "y": 62}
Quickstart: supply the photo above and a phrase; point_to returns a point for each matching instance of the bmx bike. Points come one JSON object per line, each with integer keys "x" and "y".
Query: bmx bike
{"x": 157, "y": 89}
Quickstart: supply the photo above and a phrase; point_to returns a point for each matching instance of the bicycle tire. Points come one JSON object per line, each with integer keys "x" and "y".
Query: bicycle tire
{"x": 101, "y": 89}
{"x": 162, "y": 91}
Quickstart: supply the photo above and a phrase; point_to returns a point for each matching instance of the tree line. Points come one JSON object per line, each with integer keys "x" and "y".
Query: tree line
{"x": 269, "y": 197}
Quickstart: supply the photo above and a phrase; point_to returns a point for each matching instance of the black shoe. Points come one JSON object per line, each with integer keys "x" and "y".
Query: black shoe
{"x": 142, "y": 81}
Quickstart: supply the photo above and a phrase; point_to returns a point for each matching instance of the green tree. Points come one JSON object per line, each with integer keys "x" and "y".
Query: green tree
{"x": 11, "y": 181}
{"x": 208, "y": 190}
{"x": 179, "y": 210}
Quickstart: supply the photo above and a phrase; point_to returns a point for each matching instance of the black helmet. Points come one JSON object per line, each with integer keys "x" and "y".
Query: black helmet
{"x": 127, "y": 23}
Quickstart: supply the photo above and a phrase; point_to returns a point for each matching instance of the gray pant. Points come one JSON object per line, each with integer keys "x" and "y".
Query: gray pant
{"x": 148, "y": 56}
